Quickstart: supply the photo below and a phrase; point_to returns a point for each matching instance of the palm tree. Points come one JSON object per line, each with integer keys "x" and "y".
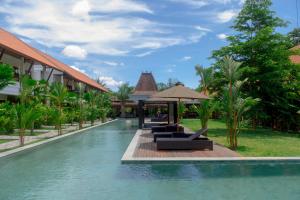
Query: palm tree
{"x": 204, "y": 111}
{"x": 91, "y": 98}
{"x": 123, "y": 95}
{"x": 104, "y": 105}
{"x": 58, "y": 95}
{"x": 25, "y": 115}
{"x": 181, "y": 110}
{"x": 234, "y": 105}
{"x": 80, "y": 103}
{"x": 206, "y": 78}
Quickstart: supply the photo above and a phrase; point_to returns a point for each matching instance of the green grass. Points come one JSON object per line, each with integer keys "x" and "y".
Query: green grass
{"x": 260, "y": 142}
{"x": 4, "y": 140}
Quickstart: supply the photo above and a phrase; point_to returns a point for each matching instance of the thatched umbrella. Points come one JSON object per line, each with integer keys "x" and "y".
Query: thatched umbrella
{"x": 179, "y": 91}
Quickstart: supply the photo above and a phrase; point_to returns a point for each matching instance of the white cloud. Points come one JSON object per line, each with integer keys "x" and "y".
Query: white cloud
{"x": 186, "y": 58}
{"x": 222, "y": 36}
{"x": 170, "y": 70}
{"x": 144, "y": 54}
{"x": 200, "y": 28}
{"x": 226, "y": 16}
{"x": 80, "y": 70}
{"x": 122, "y": 6}
{"x": 81, "y": 9}
{"x": 83, "y": 23}
{"x": 194, "y": 3}
{"x": 110, "y": 82}
{"x": 201, "y": 3}
{"x": 114, "y": 64}
{"x": 74, "y": 51}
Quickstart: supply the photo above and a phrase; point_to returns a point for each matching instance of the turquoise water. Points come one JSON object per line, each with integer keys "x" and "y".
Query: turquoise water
{"x": 87, "y": 166}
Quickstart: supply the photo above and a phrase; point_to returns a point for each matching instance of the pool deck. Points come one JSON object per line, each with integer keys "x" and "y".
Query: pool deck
{"x": 143, "y": 149}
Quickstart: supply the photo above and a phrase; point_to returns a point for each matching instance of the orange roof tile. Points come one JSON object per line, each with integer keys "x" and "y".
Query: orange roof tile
{"x": 74, "y": 73}
{"x": 14, "y": 44}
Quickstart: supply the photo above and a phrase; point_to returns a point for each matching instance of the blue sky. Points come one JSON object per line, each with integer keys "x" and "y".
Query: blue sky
{"x": 116, "y": 40}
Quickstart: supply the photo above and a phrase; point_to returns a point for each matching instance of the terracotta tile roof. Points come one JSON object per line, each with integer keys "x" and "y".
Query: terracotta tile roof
{"x": 146, "y": 85}
{"x": 79, "y": 76}
{"x": 295, "y": 59}
{"x": 13, "y": 44}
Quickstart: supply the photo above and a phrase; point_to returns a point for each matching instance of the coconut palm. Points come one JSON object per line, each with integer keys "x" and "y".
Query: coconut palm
{"x": 123, "y": 95}
{"x": 206, "y": 78}
{"x": 58, "y": 95}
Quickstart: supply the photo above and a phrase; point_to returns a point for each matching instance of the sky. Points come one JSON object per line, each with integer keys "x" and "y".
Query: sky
{"x": 117, "y": 40}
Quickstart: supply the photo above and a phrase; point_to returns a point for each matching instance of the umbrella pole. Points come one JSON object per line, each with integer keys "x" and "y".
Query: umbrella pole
{"x": 178, "y": 118}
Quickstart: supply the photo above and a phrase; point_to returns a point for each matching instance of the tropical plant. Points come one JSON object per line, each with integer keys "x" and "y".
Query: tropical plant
{"x": 123, "y": 94}
{"x": 72, "y": 110}
{"x": 233, "y": 104}
{"x": 25, "y": 115}
{"x": 294, "y": 37}
{"x": 6, "y": 75}
{"x": 206, "y": 78}
{"x": 265, "y": 57}
{"x": 80, "y": 99}
{"x": 204, "y": 111}
{"x": 91, "y": 98}
{"x": 58, "y": 95}
{"x": 104, "y": 105}
{"x": 181, "y": 110}
{"x": 7, "y": 118}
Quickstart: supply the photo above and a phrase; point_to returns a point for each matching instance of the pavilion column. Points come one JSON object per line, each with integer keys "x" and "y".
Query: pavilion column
{"x": 170, "y": 113}
{"x": 141, "y": 113}
{"x": 175, "y": 110}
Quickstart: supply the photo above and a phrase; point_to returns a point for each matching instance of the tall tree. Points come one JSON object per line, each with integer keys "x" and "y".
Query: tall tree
{"x": 264, "y": 54}
{"x": 123, "y": 95}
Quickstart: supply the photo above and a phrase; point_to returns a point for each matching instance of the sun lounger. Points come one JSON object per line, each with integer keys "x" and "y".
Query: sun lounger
{"x": 167, "y": 128}
{"x": 160, "y": 118}
{"x": 192, "y": 142}
{"x": 179, "y": 134}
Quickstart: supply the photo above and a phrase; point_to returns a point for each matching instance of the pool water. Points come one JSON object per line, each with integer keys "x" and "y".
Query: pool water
{"x": 87, "y": 166}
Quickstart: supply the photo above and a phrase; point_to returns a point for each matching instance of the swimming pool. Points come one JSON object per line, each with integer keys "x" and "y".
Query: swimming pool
{"x": 88, "y": 166}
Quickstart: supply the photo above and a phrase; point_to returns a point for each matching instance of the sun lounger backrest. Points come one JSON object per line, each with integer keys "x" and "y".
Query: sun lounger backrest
{"x": 197, "y": 134}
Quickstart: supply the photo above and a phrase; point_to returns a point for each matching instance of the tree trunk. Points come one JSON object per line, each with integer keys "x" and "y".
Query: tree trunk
{"x": 21, "y": 136}
{"x": 123, "y": 109}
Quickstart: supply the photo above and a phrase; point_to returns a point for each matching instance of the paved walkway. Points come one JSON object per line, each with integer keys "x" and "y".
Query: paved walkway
{"x": 142, "y": 148}
{"x": 29, "y": 139}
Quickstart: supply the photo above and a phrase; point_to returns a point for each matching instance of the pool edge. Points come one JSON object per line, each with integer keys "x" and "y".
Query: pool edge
{"x": 129, "y": 158}
{"x": 37, "y": 144}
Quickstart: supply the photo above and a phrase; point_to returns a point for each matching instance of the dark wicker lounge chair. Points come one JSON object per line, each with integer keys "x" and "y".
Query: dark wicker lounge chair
{"x": 192, "y": 142}
{"x": 160, "y": 118}
{"x": 167, "y": 128}
{"x": 176, "y": 134}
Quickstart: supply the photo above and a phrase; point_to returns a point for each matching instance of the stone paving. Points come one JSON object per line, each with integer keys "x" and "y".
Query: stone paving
{"x": 29, "y": 139}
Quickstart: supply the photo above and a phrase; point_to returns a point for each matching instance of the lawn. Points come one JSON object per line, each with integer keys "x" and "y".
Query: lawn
{"x": 260, "y": 142}
{"x": 3, "y": 141}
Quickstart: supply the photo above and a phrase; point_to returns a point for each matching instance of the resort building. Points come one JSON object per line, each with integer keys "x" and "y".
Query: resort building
{"x": 38, "y": 65}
